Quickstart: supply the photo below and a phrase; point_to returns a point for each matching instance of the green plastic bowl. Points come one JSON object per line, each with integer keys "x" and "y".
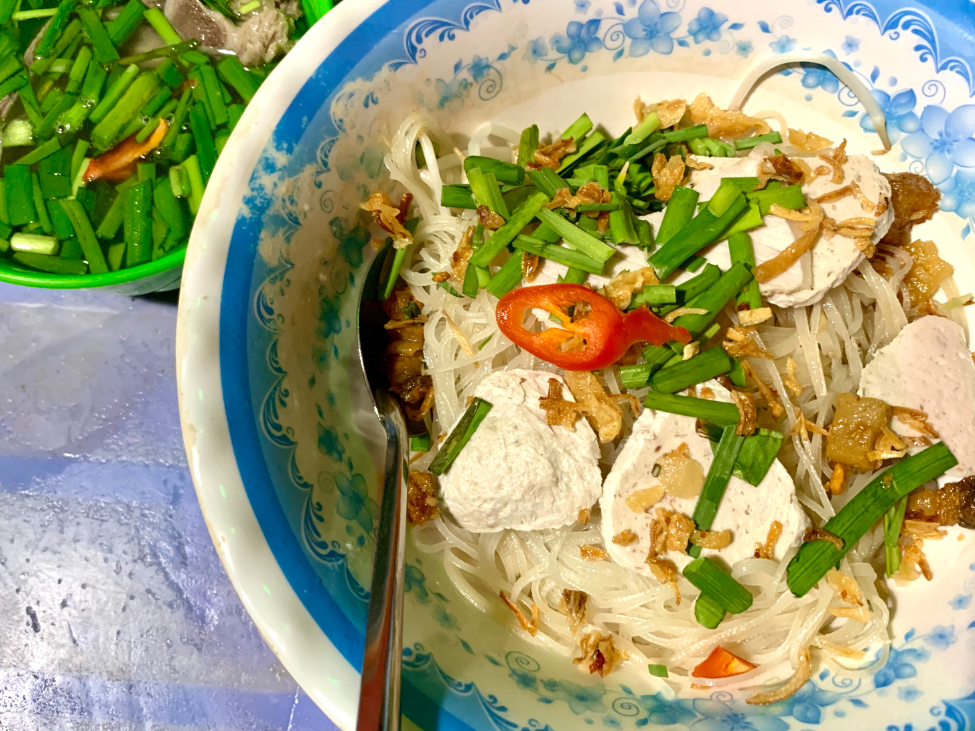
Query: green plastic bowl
{"x": 160, "y": 275}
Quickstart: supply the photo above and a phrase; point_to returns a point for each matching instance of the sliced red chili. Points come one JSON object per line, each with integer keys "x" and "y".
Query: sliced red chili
{"x": 593, "y": 333}
{"x": 722, "y": 664}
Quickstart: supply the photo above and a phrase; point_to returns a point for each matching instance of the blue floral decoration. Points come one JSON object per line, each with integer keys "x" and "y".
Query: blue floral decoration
{"x": 651, "y": 30}
{"x": 479, "y": 68}
{"x": 897, "y": 109}
{"x": 354, "y": 503}
{"x": 537, "y": 49}
{"x": 329, "y": 443}
{"x": 783, "y": 44}
{"x": 942, "y": 637}
{"x": 744, "y": 48}
{"x": 579, "y": 39}
{"x": 961, "y": 601}
{"x": 850, "y": 45}
{"x": 958, "y": 193}
{"x": 900, "y": 665}
{"x": 943, "y": 141}
{"x": 707, "y": 25}
{"x": 414, "y": 581}
{"x": 719, "y": 716}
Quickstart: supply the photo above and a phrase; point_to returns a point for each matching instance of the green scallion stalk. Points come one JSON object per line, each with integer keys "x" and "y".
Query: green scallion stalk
{"x": 9, "y": 66}
{"x": 212, "y": 87}
{"x": 708, "y": 611}
{"x": 116, "y": 255}
{"x": 702, "y": 367}
{"x": 893, "y": 521}
{"x": 460, "y": 435}
{"x": 63, "y": 103}
{"x": 115, "y": 215}
{"x": 114, "y": 93}
{"x": 169, "y": 72}
{"x": 102, "y": 45}
{"x": 126, "y": 22}
{"x": 714, "y": 299}
{"x": 420, "y": 443}
{"x": 249, "y": 7}
{"x": 52, "y": 32}
{"x": 45, "y": 219}
{"x": 54, "y": 173}
{"x": 717, "y": 412}
{"x": 649, "y": 125}
{"x": 34, "y": 244}
{"x": 717, "y": 148}
{"x": 750, "y": 142}
{"x": 547, "y": 180}
{"x": 519, "y": 218}
{"x": 179, "y": 182}
{"x": 133, "y": 101}
{"x": 59, "y": 67}
{"x": 587, "y": 207}
{"x": 815, "y": 558}
{"x": 171, "y": 210}
{"x": 20, "y": 201}
{"x": 206, "y": 150}
{"x": 504, "y": 172}
{"x": 750, "y": 219}
{"x": 737, "y": 374}
{"x": 14, "y": 83}
{"x": 179, "y": 117}
{"x": 457, "y": 196}
{"x": 49, "y": 263}
{"x": 233, "y": 72}
{"x": 583, "y": 150}
{"x": 700, "y": 232}
{"x": 397, "y": 258}
{"x": 22, "y": 15}
{"x": 713, "y": 581}
{"x": 192, "y": 167}
{"x": 698, "y": 147}
{"x": 79, "y": 70}
{"x": 677, "y": 214}
{"x": 687, "y": 291}
{"x": 165, "y": 52}
{"x": 757, "y": 455}
{"x": 486, "y": 192}
{"x": 622, "y": 223}
{"x": 658, "y": 671}
{"x": 683, "y": 135}
{"x": 70, "y": 247}
{"x": 18, "y": 133}
{"x": 86, "y": 236}
{"x": 574, "y": 276}
{"x": 578, "y": 129}
{"x": 716, "y": 481}
{"x": 507, "y": 277}
{"x": 157, "y": 20}
{"x": 743, "y": 253}
{"x": 39, "y": 153}
{"x": 527, "y": 145}
{"x": 558, "y": 254}
{"x": 576, "y": 237}
{"x": 787, "y": 196}
{"x": 654, "y": 294}
{"x": 195, "y": 57}
{"x": 137, "y": 224}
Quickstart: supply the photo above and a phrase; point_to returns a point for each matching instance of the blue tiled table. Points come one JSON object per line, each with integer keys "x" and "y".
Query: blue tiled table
{"x": 115, "y": 612}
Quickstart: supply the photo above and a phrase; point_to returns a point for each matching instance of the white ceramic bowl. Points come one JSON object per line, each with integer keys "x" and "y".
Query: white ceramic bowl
{"x": 277, "y": 425}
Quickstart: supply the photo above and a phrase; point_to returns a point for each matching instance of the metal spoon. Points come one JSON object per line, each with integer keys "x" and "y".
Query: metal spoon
{"x": 379, "y": 702}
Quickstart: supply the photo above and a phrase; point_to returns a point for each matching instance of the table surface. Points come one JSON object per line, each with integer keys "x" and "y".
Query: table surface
{"x": 115, "y": 612}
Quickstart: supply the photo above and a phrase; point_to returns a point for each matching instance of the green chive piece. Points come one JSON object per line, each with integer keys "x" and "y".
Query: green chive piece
{"x": 52, "y": 32}
{"x": 9, "y": 66}
{"x": 71, "y": 247}
{"x": 232, "y": 72}
{"x": 14, "y": 83}
{"x": 750, "y": 219}
{"x": 737, "y": 374}
{"x": 558, "y": 254}
{"x": 45, "y": 219}
{"x": 195, "y": 57}
{"x": 682, "y": 135}
{"x": 249, "y": 7}
{"x": 622, "y": 223}
{"x": 712, "y": 580}
{"x": 34, "y": 244}
{"x": 192, "y": 167}
{"x": 38, "y": 154}
{"x": 750, "y": 142}
{"x": 234, "y": 113}
{"x": 157, "y": 20}
{"x": 86, "y": 236}
{"x": 471, "y": 282}
{"x": 137, "y": 224}
{"x": 212, "y": 87}
{"x": 649, "y": 125}
{"x": 115, "y": 215}
{"x": 547, "y": 180}
{"x": 126, "y": 22}
{"x": 398, "y": 257}
{"x": 169, "y": 72}
{"x": 79, "y": 70}
{"x": 49, "y": 263}
{"x": 527, "y": 145}
{"x": 590, "y": 144}
{"x": 815, "y": 558}
{"x": 577, "y": 129}
{"x": 25, "y": 14}
{"x": 504, "y": 172}
{"x": 457, "y": 196}
{"x": 179, "y": 117}
{"x": 743, "y": 253}
{"x": 757, "y": 455}
{"x": 717, "y": 412}
{"x": 657, "y": 671}
{"x": 179, "y": 182}
{"x": 4, "y": 213}
{"x": 20, "y": 200}
{"x": 486, "y": 192}
{"x": 18, "y": 133}
{"x": 420, "y": 443}
{"x": 575, "y": 236}
{"x": 787, "y": 196}
{"x": 701, "y": 231}
{"x": 690, "y": 289}
{"x": 100, "y": 40}
{"x": 66, "y": 40}
{"x": 78, "y": 159}
{"x": 574, "y": 276}
{"x": 708, "y": 611}
{"x": 654, "y": 294}
{"x": 116, "y": 254}
{"x": 893, "y": 520}
{"x": 115, "y": 91}
{"x": 460, "y": 435}
{"x": 716, "y": 481}
{"x": 8, "y": 8}
{"x": 702, "y": 367}
{"x": 714, "y": 299}
{"x": 507, "y": 277}
{"x": 91, "y": 89}
{"x": 678, "y": 213}
{"x": 206, "y": 149}
{"x": 63, "y": 230}
{"x": 519, "y": 218}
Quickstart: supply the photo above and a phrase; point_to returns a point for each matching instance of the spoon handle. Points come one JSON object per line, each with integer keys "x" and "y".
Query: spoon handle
{"x": 379, "y": 702}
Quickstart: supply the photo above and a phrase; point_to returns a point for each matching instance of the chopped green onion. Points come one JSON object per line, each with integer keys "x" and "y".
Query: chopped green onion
{"x": 717, "y": 479}
{"x": 649, "y": 125}
{"x": 206, "y": 149}
{"x": 714, "y": 299}
{"x": 169, "y": 72}
{"x": 161, "y": 52}
{"x": 577, "y": 129}
{"x": 39, "y": 153}
{"x": 558, "y": 254}
{"x": 195, "y": 57}
{"x": 100, "y": 40}
{"x": 460, "y": 435}
{"x": 34, "y": 244}
{"x": 547, "y": 180}
{"x": 507, "y": 277}
{"x": 505, "y": 172}
{"x": 116, "y": 254}
{"x": 115, "y": 92}
{"x": 678, "y": 213}
{"x": 45, "y": 219}
{"x": 654, "y": 294}
{"x": 115, "y": 215}
{"x": 622, "y": 223}
{"x": 575, "y": 236}
{"x": 54, "y": 173}
{"x": 657, "y": 671}
{"x": 449, "y": 289}
{"x": 815, "y": 558}
{"x": 743, "y": 253}
{"x": 52, "y": 32}
{"x": 737, "y": 374}
{"x": 212, "y": 87}
{"x": 582, "y": 151}
{"x": 137, "y": 224}
{"x": 178, "y": 118}
{"x": 71, "y": 247}
{"x": 86, "y": 236}
{"x": 49, "y": 263}
{"x": 233, "y": 72}
{"x": 717, "y": 412}
{"x": 158, "y": 21}
{"x": 708, "y": 611}
{"x": 757, "y": 455}
{"x": 574, "y": 276}
{"x": 420, "y": 443}
{"x": 399, "y": 257}
{"x": 486, "y": 192}
{"x": 457, "y": 196}
{"x": 18, "y": 133}
{"x": 893, "y": 520}
{"x": 79, "y": 70}
{"x": 192, "y": 167}
{"x": 248, "y": 7}
{"x": 707, "y": 576}
{"x": 20, "y": 201}
{"x": 683, "y": 135}
{"x": 527, "y": 145}
{"x": 702, "y": 367}
{"x": 687, "y": 291}
{"x": 136, "y": 97}
{"x": 15, "y": 82}
{"x": 126, "y": 22}
{"x": 519, "y": 218}
{"x": 749, "y": 142}
{"x": 787, "y": 196}
{"x": 24, "y": 14}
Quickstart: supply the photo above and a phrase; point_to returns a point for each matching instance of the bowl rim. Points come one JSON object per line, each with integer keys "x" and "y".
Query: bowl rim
{"x": 269, "y": 598}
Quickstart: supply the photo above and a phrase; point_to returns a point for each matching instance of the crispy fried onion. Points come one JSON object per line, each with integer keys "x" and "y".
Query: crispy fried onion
{"x": 923, "y": 529}
{"x": 489, "y": 219}
{"x": 663, "y": 569}
{"x": 529, "y": 627}
{"x": 601, "y": 409}
{"x": 818, "y": 534}
{"x": 558, "y": 411}
{"x": 835, "y": 194}
{"x": 808, "y": 174}
{"x": 837, "y": 481}
{"x": 531, "y": 265}
{"x": 459, "y": 336}
{"x": 782, "y": 261}
{"x": 599, "y": 654}
{"x": 913, "y": 561}
{"x": 588, "y": 193}
{"x": 668, "y": 111}
{"x": 853, "y": 606}
{"x": 421, "y": 498}
{"x": 767, "y": 549}
{"x": 723, "y": 123}
{"x": 747, "y": 412}
{"x": 584, "y": 516}
{"x": 770, "y": 395}
{"x": 803, "y": 426}
{"x": 550, "y": 156}
{"x": 573, "y": 605}
{"x": 460, "y": 257}
{"x": 749, "y": 318}
{"x": 696, "y": 163}
{"x": 915, "y": 419}
{"x": 390, "y": 218}
{"x": 674, "y": 314}
{"x": 836, "y": 159}
{"x": 621, "y": 288}
{"x": 808, "y": 141}
{"x": 790, "y": 380}
{"x": 625, "y": 538}
{"x": 850, "y": 653}
{"x": 743, "y": 345}
{"x": 593, "y": 553}
{"x": 799, "y": 678}
{"x": 667, "y": 175}
{"x": 780, "y": 167}
{"x": 713, "y": 539}
{"x": 866, "y": 204}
